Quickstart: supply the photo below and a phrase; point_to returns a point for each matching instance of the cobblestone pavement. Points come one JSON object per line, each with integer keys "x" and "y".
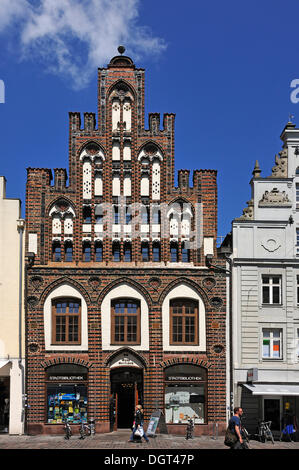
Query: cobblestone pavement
{"x": 119, "y": 440}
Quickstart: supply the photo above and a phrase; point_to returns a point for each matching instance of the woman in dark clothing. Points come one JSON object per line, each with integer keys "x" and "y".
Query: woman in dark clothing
{"x": 138, "y": 422}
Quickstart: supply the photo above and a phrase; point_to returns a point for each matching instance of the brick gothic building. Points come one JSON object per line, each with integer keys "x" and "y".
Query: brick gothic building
{"x": 121, "y": 308}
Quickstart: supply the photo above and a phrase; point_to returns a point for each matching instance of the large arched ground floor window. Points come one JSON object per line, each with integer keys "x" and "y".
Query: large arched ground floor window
{"x": 66, "y": 391}
{"x": 185, "y": 394}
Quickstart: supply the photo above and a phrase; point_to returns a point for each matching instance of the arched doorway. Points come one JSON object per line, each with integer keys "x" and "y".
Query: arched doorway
{"x": 126, "y": 393}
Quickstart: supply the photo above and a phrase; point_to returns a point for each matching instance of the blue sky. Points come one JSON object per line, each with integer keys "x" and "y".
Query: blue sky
{"x": 224, "y": 68}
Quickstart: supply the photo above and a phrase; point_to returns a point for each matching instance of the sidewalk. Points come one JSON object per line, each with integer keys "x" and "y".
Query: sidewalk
{"x": 119, "y": 440}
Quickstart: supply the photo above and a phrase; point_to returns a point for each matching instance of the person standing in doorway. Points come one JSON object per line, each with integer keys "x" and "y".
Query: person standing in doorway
{"x": 138, "y": 423}
{"x": 236, "y": 427}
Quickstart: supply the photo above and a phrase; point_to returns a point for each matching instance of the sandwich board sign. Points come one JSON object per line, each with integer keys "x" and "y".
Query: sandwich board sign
{"x": 156, "y": 418}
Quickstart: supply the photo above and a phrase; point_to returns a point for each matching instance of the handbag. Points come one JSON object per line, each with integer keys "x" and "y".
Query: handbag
{"x": 139, "y": 431}
{"x": 230, "y": 438}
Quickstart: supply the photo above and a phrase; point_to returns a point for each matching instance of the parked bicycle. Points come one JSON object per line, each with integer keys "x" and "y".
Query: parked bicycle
{"x": 87, "y": 429}
{"x": 264, "y": 431}
{"x": 189, "y": 428}
{"x": 67, "y": 429}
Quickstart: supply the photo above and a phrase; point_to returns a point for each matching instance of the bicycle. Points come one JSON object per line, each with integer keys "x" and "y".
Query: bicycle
{"x": 87, "y": 429}
{"x": 264, "y": 431}
{"x": 189, "y": 428}
{"x": 67, "y": 429}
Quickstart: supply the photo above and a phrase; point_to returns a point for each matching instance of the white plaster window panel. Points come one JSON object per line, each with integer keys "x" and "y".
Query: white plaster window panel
{"x": 127, "y": 186}
{"x": 56, "y": 225}
{"x": 86, "y": 228}
{"x": 115, "y": 150}
{"x": 127, "y": 151}
{"x": 156, "y": 181}
{"x": 144, "y": 185}
{"x": 98, "y": 185}
{"x": 32, "y": 243}
{"x": 86, "y": 180}
{"x": 127, "y": 115}
{"x": 68, "y": 226}
{"x": 115, "y": 114}
{"x": 116, "y": 186}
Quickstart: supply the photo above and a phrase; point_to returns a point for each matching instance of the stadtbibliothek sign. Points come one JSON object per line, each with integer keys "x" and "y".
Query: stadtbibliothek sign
{"x": 177, "y": 378}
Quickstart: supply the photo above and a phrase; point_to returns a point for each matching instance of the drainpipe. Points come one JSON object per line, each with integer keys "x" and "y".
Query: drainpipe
{"x": 21, "y": 227}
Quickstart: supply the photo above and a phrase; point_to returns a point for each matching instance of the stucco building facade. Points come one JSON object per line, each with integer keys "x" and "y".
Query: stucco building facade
{"x": 265, "y": 242}
{"x": 121, "y": 307}
{"x": 12, "y": 339}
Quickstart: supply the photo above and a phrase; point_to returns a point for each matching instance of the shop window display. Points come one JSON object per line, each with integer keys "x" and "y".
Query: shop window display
{"x": 185, "y": 392}
{"x": 184, "y": 401}
{"x": 66, "y": 401}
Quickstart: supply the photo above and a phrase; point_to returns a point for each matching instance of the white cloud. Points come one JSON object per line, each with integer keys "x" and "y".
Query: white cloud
{"x": 74, "y": 37}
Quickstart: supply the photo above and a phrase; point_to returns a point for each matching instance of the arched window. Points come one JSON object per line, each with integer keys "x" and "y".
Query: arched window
{"x": 86, "y": 252}
{"x": 127, "y": 252}
{"x": 56, "y": 251}
{"x": 116, "y": 251}
{"x": 98, "y": 250}
{"x": 174, "y": 252}
{"x": 66, "y": 321}
{"x": 125, "y": 321}
{"x": 87, "y": 215}
{"x": 156, "y": 252}
{"x": 156, "y": 215}
{"x": 68, "y": 251}
{"x": 183, "y": 321}
{"x": 145, "y": 251}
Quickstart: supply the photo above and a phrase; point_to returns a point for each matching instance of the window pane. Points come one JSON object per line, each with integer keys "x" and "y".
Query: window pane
{"x": 266, "y": 295}
{"x": 73, "y": 329}
{"x": 266, "y": 348}
{"x": 276, "y": 295}
{"x": 132, "y": 329}
{"x": 60, "y": 328}
{"x": 276, "y": 348}
{"x": 119, "y": 328}
{"x": 99, "y": 253}
{"x": 177, "y": 329}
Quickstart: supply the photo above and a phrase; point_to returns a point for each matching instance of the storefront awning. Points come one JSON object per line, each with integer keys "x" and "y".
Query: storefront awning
{"x": 3, "y": 362}
{"x": 273, "y": 389}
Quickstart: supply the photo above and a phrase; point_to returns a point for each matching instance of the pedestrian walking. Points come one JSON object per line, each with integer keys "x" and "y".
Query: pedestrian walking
{"x": 138, "y": 424}
{"x": 235, "y": 427}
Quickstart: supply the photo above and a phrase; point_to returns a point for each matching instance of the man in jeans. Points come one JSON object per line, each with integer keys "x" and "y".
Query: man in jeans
{"x": 236, "y": 427}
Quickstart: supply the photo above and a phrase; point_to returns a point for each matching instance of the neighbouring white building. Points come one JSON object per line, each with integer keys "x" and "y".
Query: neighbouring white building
{"x": 12, "y": 362}
{"x": 265, "y": 293}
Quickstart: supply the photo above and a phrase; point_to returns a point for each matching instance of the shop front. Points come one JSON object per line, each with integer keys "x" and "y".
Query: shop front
{"x": 66, "y": 394}
{"x": 185, "y": 396}
{"x": 278, "y": 403}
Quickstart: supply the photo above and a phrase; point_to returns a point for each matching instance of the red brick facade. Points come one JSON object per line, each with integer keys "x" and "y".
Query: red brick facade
{"x": 94, "y": 280}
